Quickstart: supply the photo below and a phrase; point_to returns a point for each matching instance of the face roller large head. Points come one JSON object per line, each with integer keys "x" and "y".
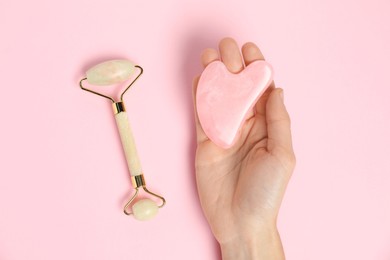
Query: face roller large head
{"x": 108, "y": 73}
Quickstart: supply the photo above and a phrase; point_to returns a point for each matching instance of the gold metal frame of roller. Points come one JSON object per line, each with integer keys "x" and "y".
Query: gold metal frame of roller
{"x": 138, "y": 180}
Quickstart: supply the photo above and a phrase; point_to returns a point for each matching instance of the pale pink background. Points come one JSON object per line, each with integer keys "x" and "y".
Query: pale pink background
{"x": 63, "y": 178}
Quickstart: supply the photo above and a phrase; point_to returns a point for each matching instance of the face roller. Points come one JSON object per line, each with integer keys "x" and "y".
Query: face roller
{"x": 112, "y": 72}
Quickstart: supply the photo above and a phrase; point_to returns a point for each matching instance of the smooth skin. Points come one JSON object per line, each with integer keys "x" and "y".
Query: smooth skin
{"x": 241, "y": 188}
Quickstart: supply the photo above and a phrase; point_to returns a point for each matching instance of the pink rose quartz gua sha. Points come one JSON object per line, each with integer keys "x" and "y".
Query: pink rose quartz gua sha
{"x": 108, "y": 73}
{"x": 223, "y": 99}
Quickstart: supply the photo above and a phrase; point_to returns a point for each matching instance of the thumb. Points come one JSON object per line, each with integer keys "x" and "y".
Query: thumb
{"x": 278, "y": 123}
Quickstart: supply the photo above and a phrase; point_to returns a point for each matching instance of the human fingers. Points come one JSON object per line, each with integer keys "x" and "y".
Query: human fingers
{"x": 209, "y": 55}
{"x": 251, "y": 53}
{"x": 231, "y": 55}
{"x": 278, "y": 125}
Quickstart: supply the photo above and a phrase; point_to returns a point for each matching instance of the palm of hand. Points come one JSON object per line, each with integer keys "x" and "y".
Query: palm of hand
{"x": 242, "y": 187}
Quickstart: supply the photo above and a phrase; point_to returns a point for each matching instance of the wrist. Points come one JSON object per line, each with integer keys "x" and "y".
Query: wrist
{"x": 261, "y": 245}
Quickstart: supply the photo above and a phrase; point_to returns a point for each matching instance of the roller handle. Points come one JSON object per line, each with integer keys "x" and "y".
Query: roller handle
{"x": 128, "y": 143}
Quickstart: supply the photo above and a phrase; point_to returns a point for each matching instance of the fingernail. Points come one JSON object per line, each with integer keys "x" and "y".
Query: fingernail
{"x": 281, "y": 93}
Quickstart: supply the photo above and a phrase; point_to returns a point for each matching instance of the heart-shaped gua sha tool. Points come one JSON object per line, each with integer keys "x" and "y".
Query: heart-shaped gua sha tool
{"x": 223, "y": 99}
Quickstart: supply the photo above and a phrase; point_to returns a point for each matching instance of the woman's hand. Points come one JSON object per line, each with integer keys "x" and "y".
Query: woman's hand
{"x": 241, "y": 188}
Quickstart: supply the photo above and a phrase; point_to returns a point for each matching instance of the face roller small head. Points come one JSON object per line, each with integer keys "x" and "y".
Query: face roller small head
{"x": 108, "y": 73}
